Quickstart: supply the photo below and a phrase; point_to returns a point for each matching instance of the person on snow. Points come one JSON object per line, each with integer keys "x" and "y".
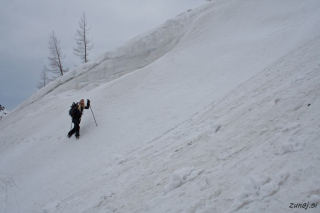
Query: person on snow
{"x": 76, "y": 117}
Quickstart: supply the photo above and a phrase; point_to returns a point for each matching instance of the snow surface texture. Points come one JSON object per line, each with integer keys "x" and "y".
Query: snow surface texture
{"x": 217, "y": 110}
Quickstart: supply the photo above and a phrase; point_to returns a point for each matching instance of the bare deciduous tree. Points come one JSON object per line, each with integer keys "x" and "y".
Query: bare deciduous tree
{"x": 83, "y": 43}
{"x": 44, "y": 77}
{"x": 56, "y": 57}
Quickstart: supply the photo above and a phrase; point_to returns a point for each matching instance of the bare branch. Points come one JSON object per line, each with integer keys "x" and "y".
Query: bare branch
{"x": 83, "y": 43}
{"x": 44, "y": 78}
{"x": 55, "y": 56}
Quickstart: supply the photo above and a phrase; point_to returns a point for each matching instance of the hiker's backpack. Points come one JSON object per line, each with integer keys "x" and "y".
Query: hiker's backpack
{"x": 73, "y": 110}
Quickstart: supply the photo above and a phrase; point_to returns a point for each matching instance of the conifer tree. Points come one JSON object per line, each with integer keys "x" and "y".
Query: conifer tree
{"x": 84, "y": 44}
{"x": 44, "y": 77}
{"x": 55, "y": 57}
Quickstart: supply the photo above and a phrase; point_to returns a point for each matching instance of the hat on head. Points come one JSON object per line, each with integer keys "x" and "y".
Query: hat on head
{"x": 81, "y": 102}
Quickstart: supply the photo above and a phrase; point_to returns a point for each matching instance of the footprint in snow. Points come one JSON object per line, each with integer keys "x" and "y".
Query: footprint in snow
{"x": 180, "y": 177}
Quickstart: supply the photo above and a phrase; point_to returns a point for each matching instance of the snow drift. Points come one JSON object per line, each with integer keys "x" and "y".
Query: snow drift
{"x": 215, "y": 110}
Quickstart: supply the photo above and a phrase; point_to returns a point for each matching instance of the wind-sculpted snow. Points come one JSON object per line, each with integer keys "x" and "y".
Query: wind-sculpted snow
{"x": 135, "y": 54}
{"x": 217, "y": 110}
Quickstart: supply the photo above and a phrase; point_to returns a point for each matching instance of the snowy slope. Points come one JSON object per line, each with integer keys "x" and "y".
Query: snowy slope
{"x": 3, "y": 112}
{"x": 217, "y": 110}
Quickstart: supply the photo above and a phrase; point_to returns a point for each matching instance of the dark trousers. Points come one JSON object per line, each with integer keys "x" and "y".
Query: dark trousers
{"x": 76, "y": 128}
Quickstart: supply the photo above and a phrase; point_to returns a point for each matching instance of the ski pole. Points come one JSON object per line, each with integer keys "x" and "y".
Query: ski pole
{"x": 93, "y": 116}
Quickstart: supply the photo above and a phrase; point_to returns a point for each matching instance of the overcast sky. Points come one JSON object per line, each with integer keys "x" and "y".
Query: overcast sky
{"x": 27, "y": 24}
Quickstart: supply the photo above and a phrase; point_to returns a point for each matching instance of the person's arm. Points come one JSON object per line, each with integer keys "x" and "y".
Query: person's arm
{"x": 88, "y": 104}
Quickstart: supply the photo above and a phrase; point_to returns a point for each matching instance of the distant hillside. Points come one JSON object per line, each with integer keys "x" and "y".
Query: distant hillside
{"x": 3, "y": 112}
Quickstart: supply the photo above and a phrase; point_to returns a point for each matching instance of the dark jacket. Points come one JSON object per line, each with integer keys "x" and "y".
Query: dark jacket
{"x": 78, "y": 113}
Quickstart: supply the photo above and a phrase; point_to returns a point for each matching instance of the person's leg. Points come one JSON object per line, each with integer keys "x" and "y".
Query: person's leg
{"x": 72, "y": 131}
{"x": 77, "y": 128}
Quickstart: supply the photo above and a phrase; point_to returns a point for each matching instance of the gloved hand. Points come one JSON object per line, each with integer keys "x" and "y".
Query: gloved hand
{"x": 88, "y": 101}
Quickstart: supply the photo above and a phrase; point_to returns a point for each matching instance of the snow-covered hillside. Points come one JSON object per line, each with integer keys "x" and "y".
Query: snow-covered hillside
{"x": 3, "y": 112}
{"x": 216, "y": 110}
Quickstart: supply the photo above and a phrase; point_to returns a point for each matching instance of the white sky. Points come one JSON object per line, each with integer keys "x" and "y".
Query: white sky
{"x": 27, "y": 24}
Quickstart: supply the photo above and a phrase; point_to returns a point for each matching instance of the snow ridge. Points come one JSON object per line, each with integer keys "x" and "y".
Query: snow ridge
{"x": 217, "y": 110}
{"x": 133, "y": 55}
